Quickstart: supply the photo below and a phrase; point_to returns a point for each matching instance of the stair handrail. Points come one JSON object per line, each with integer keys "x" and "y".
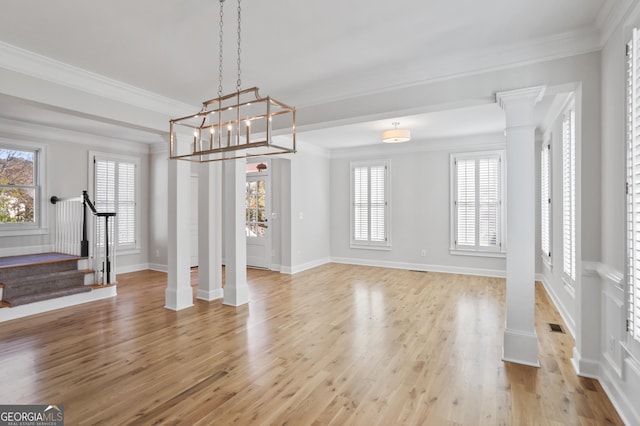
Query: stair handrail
{"x": 87, "y": 203}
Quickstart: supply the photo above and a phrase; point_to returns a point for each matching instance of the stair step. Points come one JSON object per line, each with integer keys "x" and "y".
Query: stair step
{"x": 23, "y": 300}
{"x": 29, "y": 285}
{"x": 19, "y": 266}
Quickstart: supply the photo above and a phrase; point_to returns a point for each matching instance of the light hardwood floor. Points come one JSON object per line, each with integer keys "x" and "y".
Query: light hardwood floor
{"x": 337, "y": 344}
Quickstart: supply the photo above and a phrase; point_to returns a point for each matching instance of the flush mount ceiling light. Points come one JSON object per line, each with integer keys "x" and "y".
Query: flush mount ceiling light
{"x": 237, "y": 125}
{"x": 396, "y": 135}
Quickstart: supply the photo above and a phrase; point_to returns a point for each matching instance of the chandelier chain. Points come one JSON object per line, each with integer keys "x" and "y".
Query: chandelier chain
{"x": 239, "y": 81}
{"x": 220, "y": 35}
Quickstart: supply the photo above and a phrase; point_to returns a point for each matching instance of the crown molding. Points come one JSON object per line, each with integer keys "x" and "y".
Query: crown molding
{"x": 12, "y": 129}
{"x": 612, "y": 15}
{"x": 44, "y": 68}
{"x": 426, "y": 70}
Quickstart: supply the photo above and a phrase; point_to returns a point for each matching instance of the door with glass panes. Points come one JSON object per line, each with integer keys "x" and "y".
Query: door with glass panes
{"x": 257, "y": 222}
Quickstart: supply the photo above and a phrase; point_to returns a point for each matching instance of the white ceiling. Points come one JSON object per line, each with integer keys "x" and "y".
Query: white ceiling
{"x": 453, "y": 123}
{"x": 303, "y": 53}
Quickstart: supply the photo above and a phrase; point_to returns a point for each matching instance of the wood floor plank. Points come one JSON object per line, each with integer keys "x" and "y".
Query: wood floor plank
{"x": 335, "y": 345}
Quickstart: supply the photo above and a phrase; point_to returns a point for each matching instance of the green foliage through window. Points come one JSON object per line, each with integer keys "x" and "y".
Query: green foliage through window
{"x": 17, "y": 186}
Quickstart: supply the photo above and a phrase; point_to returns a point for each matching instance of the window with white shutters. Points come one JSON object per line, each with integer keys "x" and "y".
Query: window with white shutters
{"x": 477, "y": 202}
{"x": 569, "y": 196}
{"x": 370, "y": 204}
{"x": 633, "y": 187}
{"x": 545, "y": 201}
{"x": 115, "y": 188}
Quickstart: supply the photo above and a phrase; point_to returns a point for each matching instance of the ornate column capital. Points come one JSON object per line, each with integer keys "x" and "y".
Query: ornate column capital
{"x": 519, "y": 105}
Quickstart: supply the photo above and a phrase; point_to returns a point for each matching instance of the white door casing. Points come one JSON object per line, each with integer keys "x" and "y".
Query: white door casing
{"x": 258, "y": 212}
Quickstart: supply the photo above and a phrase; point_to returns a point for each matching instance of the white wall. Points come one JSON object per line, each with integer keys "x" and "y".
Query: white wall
{"x": 158, "y": 199}
{"x": 420, "y": 207}
{"x": 620, "y": 357}
{"x": 311, "y": 205}
{"x": 67, "y": 175}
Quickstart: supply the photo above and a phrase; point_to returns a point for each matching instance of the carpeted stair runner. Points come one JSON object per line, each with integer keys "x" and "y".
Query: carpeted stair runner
{"x": 28, "y": 283}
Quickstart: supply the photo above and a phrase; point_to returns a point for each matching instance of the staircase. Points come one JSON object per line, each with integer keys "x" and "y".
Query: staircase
{"x": 38, "y": 277}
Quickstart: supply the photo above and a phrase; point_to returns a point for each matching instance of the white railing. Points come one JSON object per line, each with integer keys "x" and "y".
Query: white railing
{"x": 69, "y": 218}
{"x": 72, "y": 223}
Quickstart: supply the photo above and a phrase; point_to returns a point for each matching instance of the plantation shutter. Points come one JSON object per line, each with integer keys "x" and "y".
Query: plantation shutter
{"x": 478, "y": 202}
{"x": 361, "y": 203}
{"x": 105, "y": 184}
{"x": 633, "y": 187}
{"x": 545, "y": 200}
{"x": 466, "y": 202}
{"x": 126, "y": 213}
{"x": 370, "y": 205}
{"x": 115, "y": 191}
{"x": 569, "y": 195}
{"x": 377, "y": 205}
{"x": 489, "y": 201}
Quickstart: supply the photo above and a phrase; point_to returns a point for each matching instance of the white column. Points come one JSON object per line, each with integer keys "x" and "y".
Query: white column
{"x": 179, "y": 294}
{"x": 210, "y": 231}
{"x": 236, "y": 291}
{"x": 520, "y": 338}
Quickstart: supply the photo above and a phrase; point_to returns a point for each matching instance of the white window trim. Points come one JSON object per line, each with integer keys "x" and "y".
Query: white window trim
{"x": 546, "y": 146}
{"x": 41, "y": 225}
{"x": 371, "y": 245}
{"x": 130, "y": 249}
{"x": 479, "y": 251}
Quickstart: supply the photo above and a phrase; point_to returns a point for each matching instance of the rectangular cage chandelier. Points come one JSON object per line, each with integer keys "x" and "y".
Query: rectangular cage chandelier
{"x": 237, "y": 125}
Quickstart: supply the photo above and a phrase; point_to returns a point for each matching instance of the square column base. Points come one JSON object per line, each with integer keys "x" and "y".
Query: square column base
{"x": 520, "y": 347}
{"x": 178, "y": 299}
{"x": 208, "y": 296}
{"x": 236, "y": 296}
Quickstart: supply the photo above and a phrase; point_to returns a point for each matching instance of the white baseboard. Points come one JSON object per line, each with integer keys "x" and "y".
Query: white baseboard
{"x": 19, "y": 251}
{"x": 158, "y": 267}
{"x": 562, "y": 310}
{"x": 8, "y": 314}
{"x": 305, "y": 266}
{"x": 275, "y": 267}
{"x": 626, "y": 409}
{"x": 422, "y": 267}
{"x": 132, "y": 268}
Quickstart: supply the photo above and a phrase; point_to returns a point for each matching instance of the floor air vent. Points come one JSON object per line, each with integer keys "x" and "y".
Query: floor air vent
{"x": 556, "y": 328}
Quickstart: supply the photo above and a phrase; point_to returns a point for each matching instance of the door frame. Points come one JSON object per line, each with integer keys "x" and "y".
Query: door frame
{"x": 266, "y": 176}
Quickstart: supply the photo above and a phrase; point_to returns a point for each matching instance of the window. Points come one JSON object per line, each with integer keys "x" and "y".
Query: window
{"x": 115, "y": 189}
{"x": 633, "y": 188}
{"x": 370, "y": 205}
{"x": 477, "y": 202}
{"x": 21, "y": 190}
{"x": 545, "y": 201}
{"x": 256, "y": 207}
{"x": 569, "y": 196}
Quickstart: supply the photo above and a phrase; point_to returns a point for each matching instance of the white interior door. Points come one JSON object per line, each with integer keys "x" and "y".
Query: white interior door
{"x": 257, "y": 229}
